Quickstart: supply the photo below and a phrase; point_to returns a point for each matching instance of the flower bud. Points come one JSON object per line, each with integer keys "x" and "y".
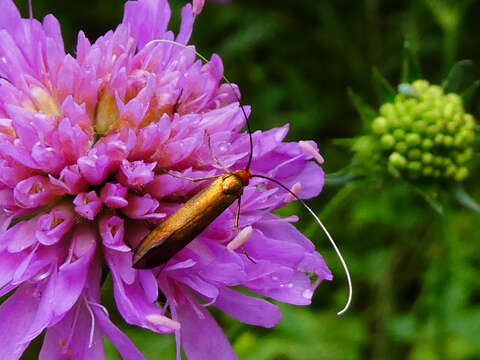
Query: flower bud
{"x": 397, "y": 160}
{"x": 414, "y": 154}
{"x": 427, "y": 171}
{"x": 433, "y": 130}
{"x": 420, "y": 85}
{"x": 452, "y": 127}
{"x": 419, "y": 126}
{"x": 427, "y": 157}
{"x": 448, "y": 141}
{"x": 387, "y": 141}
{"x": 438, "y": 139}
{"x": 379, "y": 125}
{"x": 461, "y": 174}
{"x": 427, "y": 144}
{"x": 401, "y": 147}
{"x": 414, "y": 166}
{"x": 413, "y": 139}
{"x": 450, "y": 170}
{"x": 387, "y": 110}
{"x": 399, "y": 134}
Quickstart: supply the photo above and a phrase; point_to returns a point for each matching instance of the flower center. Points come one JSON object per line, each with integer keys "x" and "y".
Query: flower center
{"x": 44, "y": 101}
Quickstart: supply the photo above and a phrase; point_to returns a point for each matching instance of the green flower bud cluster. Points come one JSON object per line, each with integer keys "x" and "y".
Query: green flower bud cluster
{"x": 426, "y": 133}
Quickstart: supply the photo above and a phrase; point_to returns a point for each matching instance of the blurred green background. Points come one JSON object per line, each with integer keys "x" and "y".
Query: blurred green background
{"x": 415, "y": 273}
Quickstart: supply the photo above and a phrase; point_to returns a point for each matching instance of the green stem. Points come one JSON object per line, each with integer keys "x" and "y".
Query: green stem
{"x": 338, "y": 199}
{"x": 41, "y": 210}
{"x": 450, "y": 47}
{"x": 384, "y": 306}
{"x": 443, "y": 265}
{"x": 331, "y": 206}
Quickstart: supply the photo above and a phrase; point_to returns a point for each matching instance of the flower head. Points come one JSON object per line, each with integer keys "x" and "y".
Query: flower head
{"x": 426, "y": 133}
{"x": 84, "y": 145}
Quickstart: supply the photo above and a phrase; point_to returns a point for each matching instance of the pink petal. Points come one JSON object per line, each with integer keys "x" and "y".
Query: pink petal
{"x": 198, "y": 6}
{"x": 201, "y": 336}
{"x": 74, "y": 337}
{"x": 248, "y": 309}
{"x": 88, "y": 204}
{"x": 124, "y": 345}
{"x": 16, "y": 315}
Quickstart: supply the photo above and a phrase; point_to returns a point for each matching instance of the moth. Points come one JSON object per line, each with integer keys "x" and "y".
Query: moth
{"x": 187, "y": 222}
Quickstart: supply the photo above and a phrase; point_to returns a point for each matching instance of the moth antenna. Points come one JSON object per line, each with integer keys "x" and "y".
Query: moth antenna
{"x": 250, "y": 156}
{"x": 334, "y": 245}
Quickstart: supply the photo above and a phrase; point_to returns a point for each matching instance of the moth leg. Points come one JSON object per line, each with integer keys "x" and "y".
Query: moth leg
{"x": 235, "y": 224}
{"x": 192, "y": 179}
{"x": 213, "y": 155}
{"x": 237, "y": 217}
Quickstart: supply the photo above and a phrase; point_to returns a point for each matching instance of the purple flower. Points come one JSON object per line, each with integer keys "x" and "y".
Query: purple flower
{"x": 84, "y": 145}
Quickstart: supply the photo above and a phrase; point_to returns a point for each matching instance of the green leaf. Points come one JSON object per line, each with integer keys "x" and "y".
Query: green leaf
{"x": 431, "y": 199}
{"x": 465, "y": 199}
{"x": 459, "y": 78}
{"x": 346, "y": 142}
{"x": 366, "y": 112}
{"x": 469, "y": 93}
{"x": 340, "y": 177}
{"x": 430, "y": 195}
{"x": 387, "y": 93}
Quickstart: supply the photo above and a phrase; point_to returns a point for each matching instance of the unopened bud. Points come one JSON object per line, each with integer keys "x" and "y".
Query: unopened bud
{"x": 379, "y": 125}
{"x": 413, "y": 139}
{"x": 420, "y": 85}
{"x": 399, "y": 134}
{"x": 414, "y": 154}
{"x": 427, "y": 158}
{"x": 461, "y": 174}
{"x": 387, "y": 141}
{"x": 397, "y": 160}
{"x": 427, "y": 171}
{"x": 387, "y": 110}
{"x": 450, "y": 170}
{"x": 427, "y": 144}
{"x": 448, "y": 141}
{"x": 414, "y": 166}
{"x": 401, "y": 147}
{"x": 439, "y": 139}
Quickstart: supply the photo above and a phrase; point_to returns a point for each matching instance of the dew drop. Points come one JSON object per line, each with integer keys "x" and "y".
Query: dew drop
{"x": 307, "y": 294}
{"x": 290, "y": 285}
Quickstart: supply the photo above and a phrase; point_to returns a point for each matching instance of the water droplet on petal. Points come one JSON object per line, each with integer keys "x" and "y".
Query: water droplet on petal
{"x": 307, "y": 294}
{"x": 290, "y": 285}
